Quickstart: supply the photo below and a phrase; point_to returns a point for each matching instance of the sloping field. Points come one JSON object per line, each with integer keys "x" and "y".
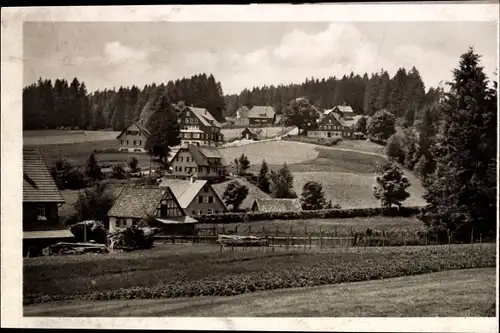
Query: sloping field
{"x": 274, "y": 152}
{"x": 51, "y": 137}
{"x": 351, "y": 190}
{"x": 347, "y": 176}
{"x": 457, "y": 293}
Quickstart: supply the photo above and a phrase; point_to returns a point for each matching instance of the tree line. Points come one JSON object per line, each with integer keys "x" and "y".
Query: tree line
{"x": 365, "y": 94}
{"x": 61, "y": 104}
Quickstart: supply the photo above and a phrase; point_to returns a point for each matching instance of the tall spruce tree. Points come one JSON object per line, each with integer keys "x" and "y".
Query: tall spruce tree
{"x": 164, "y": 128}
{"x": 264, "y": 183}
{"x": 461, "y": 194}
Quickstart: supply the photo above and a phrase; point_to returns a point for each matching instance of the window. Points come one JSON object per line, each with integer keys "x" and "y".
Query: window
{"x": 121, "y": 142}
{"x": 196, "y": 120}
{"x": 127, "y": 142}
{"x": 40, "y": 210}
{"x": 194, "y": 212}
{"x": 187, "y": 113}
{"x": 179, "y": 120}
{"x": 205, "y": 189}
{"x": 200, "y": 199}
{"x": 140, "y": 142}
{"x": 191, "y": 120}
{"x": 210, "y": 199}
{"x": 186, "y": 121}
{"x": 209, "y": 211}
{"x": 187, "y": 159}
{"x": 216, "y": 212}
{"x": 181, "y": 158}
{"x": 329, "y": 121}
{"x": 200, "y": 212}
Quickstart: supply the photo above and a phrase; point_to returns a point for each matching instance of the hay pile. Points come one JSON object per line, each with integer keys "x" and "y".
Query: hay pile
{"x": 132, "y": 238}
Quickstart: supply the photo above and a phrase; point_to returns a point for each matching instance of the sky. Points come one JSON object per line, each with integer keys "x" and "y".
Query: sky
{"x": 247, "y": 54}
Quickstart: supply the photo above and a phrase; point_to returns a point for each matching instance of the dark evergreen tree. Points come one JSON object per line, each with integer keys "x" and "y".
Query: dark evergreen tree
{"x": 461, "y": 194}
{"x": 264, "y": 183}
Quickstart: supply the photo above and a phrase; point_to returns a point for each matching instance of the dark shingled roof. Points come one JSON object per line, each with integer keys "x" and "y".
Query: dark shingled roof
{"x": 38, "y": 184}
{"x": 278, "y": 205}
{"x": 135, "y": 202}
{"x": 141, "y": 128}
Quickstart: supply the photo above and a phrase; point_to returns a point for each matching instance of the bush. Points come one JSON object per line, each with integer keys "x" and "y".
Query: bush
{"x": 119, "y": 172}
{"x": 75, "y": 179}
{"x": 89, "y": 230}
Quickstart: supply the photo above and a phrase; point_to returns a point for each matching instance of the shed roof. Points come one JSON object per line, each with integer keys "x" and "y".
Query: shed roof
{"x": 38, "y": 184}
{"x": 278, "y": 205}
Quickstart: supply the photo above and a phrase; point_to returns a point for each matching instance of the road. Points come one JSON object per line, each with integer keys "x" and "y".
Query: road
{"x": 454, "y": 293}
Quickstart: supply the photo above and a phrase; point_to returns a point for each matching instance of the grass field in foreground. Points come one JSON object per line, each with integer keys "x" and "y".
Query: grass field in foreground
{"x": 163, "y": 273}
{"x": 456, "y": 293}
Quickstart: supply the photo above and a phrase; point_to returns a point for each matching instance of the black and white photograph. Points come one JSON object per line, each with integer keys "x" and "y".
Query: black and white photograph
{"x": 251, "y": 167}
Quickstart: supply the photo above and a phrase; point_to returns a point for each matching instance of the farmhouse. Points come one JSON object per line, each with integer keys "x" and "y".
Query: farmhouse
{"x": 276, "y": 205}
{"x": 197, "y": 197}
{"x": 206, "y": 162}
{"x": 335, "y": 123}
{"x": 199, "y": 127}
{"x": 142, "y": 206}
{"x": 133, "y": 138}
{"x": 41, "y": 197}
{"x": 250, "y": 134}
{"x": 261, "y": 115}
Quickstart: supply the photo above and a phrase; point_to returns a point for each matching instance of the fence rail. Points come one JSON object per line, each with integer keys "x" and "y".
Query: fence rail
{"x": 291, "y": 238}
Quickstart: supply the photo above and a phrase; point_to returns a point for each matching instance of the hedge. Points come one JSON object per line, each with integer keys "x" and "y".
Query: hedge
{"x": 309, "y": 214}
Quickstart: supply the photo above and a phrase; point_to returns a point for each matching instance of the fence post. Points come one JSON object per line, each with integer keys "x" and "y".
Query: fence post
{"x": 320, "y": 238}
{"x": 336, "y": 231}
{"x": 263, "y": 230}
{"x": 305, "y": 238}
{"x": 449, "y": 239}
{"x": 471, "y": 239}
{"x": 249, "y": 230}
{"x": 236, "y": 229}
{"x": 223, "y": 229}
{"x": 277, "y": 230}
{"x": 214, "y": 229}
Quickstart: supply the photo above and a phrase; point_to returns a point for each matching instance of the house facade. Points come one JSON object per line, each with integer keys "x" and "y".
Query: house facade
{"x": 133, "y": 138}
{"x": 196, "y": 197}
{"x": 198, "y": 126}
{"x": 261, "y": 115}
{"x": 204, "y": 162}
{"x": 138, "y": 206}
{"x": 41, "y": 197}
{"x": 335, "y": 123}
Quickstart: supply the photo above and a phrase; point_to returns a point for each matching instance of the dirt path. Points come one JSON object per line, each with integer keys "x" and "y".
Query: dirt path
{"x": 454, "y": 293}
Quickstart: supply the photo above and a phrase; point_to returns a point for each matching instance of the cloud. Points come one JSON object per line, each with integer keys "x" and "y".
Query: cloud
{"x": 116, "y": 52}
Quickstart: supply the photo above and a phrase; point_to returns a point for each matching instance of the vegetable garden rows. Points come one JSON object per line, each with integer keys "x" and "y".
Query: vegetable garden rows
{"x": 224, "y": 274}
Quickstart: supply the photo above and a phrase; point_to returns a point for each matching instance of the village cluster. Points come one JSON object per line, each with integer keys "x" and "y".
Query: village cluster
{"x": 196, "y": 166}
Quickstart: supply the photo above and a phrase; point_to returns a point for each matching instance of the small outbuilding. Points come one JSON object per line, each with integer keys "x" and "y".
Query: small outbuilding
{"x": 250, "y": 134}
{"x": 276, "y": 205}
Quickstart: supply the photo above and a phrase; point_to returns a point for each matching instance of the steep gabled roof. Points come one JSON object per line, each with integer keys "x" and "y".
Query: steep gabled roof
{"x": 186, "y": 190}
{"x": 201, "y": 154}
{"x": 38, "y": 184}
{"x": 135, "y": 202}
{"x": 261, "y": 112}
{"x": 346, "y": 111}
{"x": 141, "y": 128}
{"x": 204, "y": 116}
{"x": 278, "y": 205}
